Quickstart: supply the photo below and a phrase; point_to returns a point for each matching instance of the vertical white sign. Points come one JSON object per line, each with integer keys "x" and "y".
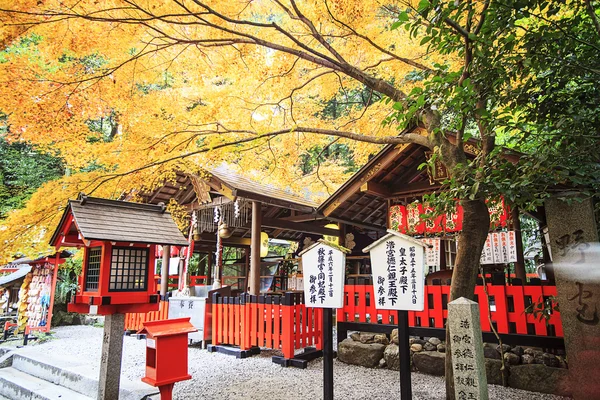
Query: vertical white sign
{"x": 512, "y": 246}
{"x": 324, "y": 268}
{"x": 398, "y": 273}
{"x": 432, "y": 252}
{"x": 496, "y": 248}
{"x": 487, "y": 254}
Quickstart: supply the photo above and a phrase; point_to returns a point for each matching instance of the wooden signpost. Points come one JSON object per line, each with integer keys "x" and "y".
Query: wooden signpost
{"x": 324, "y": 265}
{"x": 398, "y": 263}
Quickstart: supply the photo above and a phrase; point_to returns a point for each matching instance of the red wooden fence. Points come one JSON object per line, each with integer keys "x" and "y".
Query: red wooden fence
{"x": 508, "y": 309}
{"x": 135, "y": 321}
{"x": 276, "y": 322}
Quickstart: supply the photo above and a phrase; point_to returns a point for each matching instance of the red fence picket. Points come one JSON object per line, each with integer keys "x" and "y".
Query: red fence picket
{"x": 135, "y": 321}
{"x": 508, "y": 304}
{"x": 275, "y": 322}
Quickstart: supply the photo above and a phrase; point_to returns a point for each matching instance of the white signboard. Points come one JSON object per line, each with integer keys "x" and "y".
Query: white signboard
{"x": 398, "y": 263}
{"x": 323, "y": 270}
{"x": 432, "y": 252}
{"x": 496, "y": 247}
{"x": 512, "y": 246}
{"x": 499, "y": 248}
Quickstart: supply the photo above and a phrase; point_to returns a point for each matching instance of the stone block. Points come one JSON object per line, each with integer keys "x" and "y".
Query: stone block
{"x": 391, "y": 357}
{"x": 493, "y": 372}
{"x": 430, "y": 362}
{"x": 357, "y": 353}
{"x": 539, "y": 378}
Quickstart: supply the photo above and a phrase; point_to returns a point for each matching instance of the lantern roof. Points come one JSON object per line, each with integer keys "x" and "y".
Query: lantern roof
{"x": 93, "y": 218}
{"x": 392, "y": 233}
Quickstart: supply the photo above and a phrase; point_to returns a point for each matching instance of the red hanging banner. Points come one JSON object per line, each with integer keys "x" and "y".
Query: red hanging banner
{"x": 397, "y": 218}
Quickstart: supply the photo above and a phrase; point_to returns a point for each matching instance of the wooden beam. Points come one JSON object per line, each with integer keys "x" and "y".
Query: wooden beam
{"x": 366, "y": 176}
{"x": 298, "y": 227}
{"x": 375, "y": 189}
{"x": 212, "y": 238}
{"x": 303, "y": 217}
{"x": 275, "y": 202}
{"x": 363, "y": 225}
{"x": 415, "y": 187}
{"x": 254, "y": 281}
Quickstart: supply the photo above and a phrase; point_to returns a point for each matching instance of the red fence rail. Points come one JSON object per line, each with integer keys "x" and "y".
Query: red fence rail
{"x": 508, "y": 309}
{"x": 276, "y": 322}
{"x": 135, "y": 321}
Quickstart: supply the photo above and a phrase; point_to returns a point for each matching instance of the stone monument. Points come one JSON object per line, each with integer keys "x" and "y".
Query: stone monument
{"x": 574, "y": 248}
{"x": 470, "y": 381}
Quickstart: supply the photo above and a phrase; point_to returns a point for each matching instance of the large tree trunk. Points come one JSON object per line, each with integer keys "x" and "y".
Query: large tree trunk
{"x": 476, "y": 223}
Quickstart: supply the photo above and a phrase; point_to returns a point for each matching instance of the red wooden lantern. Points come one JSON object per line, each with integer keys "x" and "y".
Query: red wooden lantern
{"x": 119, "y": 240}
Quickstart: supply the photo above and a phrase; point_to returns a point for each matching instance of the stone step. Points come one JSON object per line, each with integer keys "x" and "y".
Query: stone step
{"x": 18, "y": 385}
{"x": 76, "y": 375}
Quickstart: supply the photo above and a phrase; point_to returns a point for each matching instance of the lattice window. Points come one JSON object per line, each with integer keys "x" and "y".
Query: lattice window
{"x": 128, "y": 269}
{"x": 93, "y": 269}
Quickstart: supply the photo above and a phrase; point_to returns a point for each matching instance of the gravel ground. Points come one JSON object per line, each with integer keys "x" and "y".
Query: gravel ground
{"x": 218, "y": 376}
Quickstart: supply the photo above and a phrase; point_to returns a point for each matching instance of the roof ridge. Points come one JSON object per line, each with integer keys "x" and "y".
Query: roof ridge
{"x": 84, "y": 199}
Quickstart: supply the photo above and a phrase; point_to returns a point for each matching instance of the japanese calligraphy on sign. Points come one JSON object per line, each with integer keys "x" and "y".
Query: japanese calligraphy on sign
{"x": 432, "y": 251}
{"x": 470, "y": 380}
{"x": 397, "y": 262}
{"x": 324, "y": 265}
{"x": 499, "y": 248}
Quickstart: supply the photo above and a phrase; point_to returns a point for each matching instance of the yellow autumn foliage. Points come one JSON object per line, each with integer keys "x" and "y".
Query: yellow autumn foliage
{"x": 184, "y": 81}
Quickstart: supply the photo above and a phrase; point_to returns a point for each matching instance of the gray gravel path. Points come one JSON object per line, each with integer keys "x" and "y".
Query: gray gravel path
{"x": 217, "y": 376}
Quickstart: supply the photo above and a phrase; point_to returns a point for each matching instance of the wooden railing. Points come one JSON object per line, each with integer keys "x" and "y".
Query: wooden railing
{"x": 508, "y": 304}
{"x": 275, "y": 322}
{"x": 135, "y": 321}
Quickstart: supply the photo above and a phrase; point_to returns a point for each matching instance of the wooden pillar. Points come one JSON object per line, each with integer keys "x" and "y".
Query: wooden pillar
{"x": 254, "y": 283}
{"x": 164, "y": 272}
{"x": 520, "y": 264}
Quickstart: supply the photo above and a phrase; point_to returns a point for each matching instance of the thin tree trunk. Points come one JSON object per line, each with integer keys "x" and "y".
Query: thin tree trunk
{"x": 476, "y": 223}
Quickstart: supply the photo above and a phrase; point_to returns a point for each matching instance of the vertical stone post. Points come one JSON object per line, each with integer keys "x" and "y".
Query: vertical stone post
{"x": 468, "y": 364}
{"x": 112, "y": 351}
{"x": 164, "y": 272}
{"x": 572, "y": 230}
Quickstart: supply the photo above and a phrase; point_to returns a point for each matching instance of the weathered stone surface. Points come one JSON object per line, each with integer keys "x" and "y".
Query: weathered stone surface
{"x": 381, "y": 338}
{"x": 527, "y": 359}
{"x": 539, "y": 378}
{"x": 490, "y": 352}
{"x": 366, "y": 337}
{"x": 430, "y": 362}
{"x": 572, "y": 227}
{"x": 530, "y": 351}
{"x": 382, "y": 363}
{"x": 493, "y": 371}
{"x": 429, "y": 347}
{"x": 415, "y": 347}
{"x": 391, "y": 356}
{"x": 464, "y": 327}
{"x": 417, "y": 341}
{"x": 394, "y": 336}
{"x": 357, "y": 353}
{"x": 505, "y": 348}
{"x": 562, "y": 363}
{"x": 549, "y": 360}
{"x": 434, "y": 341}
{"x": 518, "y": 350}
{"x": 355, "y": 336}
{"x": 511, "y": 358}
{"x": 441, "y": 348}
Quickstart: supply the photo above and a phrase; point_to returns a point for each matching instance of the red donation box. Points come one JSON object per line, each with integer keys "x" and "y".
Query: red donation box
{"x": 167, "y": 353}
{"x": 119, "y": 240}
